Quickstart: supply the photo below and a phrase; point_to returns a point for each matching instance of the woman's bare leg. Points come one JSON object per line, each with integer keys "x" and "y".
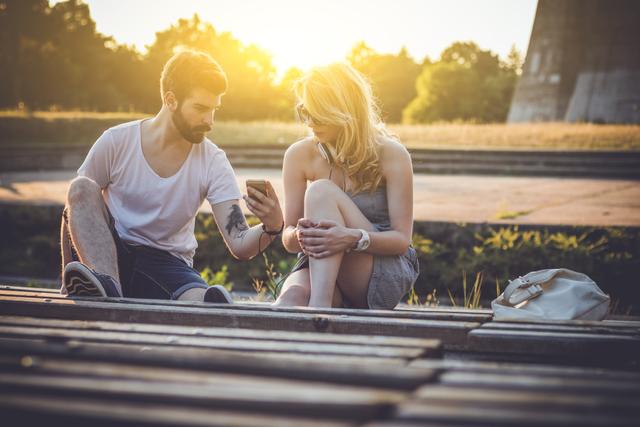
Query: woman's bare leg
{"x": 338, "y": 300}
{"x": 353, "y": 279}
{"x": 325, "y": 201}
{"x": 295, "y": 290}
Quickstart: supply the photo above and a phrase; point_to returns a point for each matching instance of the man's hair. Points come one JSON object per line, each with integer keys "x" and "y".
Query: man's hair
{"x": 190, "y": 69}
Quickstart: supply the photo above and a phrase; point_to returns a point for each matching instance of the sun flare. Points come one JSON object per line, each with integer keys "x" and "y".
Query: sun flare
{"x": 304, "y": 33}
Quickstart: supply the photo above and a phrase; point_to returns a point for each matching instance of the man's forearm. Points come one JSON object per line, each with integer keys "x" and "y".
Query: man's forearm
{"x": 250, "y": 242}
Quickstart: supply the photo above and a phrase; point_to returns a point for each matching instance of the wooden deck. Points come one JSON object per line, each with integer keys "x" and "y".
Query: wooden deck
{"x": 125, "y": 362}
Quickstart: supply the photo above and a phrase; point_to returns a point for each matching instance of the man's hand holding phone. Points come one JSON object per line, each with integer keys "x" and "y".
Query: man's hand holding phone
{"x": 262, "y": 201}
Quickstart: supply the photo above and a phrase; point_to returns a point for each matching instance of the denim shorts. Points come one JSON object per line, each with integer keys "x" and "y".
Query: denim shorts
{"x": 146, "y": 272}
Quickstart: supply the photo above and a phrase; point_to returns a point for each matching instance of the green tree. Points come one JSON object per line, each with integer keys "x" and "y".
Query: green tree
{"x": 52, "y": 57}
{"x": 78, "y": 64}
{"x": 392, "y": 77}
{"x": 252, "y": 92}
{"x": 23, "y": 32}
{"x": 286, "y": 97}
{"x": 514, "y": 61}
{"x": 467, "y": 83}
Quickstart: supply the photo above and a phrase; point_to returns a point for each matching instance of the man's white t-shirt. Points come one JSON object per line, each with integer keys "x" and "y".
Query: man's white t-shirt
{"x": 151, "y": 210}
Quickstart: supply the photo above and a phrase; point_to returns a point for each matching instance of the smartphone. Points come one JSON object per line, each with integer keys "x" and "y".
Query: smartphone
{"x": 258, "y": 184}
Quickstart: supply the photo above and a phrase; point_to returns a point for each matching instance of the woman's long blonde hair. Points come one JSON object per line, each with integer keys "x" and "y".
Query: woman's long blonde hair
{"x": 339, "y": 95}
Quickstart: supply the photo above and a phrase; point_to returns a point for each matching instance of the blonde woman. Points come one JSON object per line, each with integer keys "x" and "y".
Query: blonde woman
{"x": 348, "y": 199}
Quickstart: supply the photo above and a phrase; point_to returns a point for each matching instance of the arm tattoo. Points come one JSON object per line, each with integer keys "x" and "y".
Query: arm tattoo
{"x": 236, "y": 220}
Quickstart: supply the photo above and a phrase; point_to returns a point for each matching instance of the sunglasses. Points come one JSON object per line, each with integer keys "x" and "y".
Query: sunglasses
{"x": 305, "y": 117}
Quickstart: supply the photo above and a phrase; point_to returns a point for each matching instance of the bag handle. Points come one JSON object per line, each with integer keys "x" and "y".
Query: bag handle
{"x": 529, "y": 285}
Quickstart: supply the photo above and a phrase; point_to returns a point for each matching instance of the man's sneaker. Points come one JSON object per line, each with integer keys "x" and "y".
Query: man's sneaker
{"x": 217, "y": 294}
{"x": 81, "y": 281}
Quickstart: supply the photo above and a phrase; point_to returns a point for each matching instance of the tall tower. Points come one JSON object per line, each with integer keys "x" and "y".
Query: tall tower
{"x": 583, "y": 63}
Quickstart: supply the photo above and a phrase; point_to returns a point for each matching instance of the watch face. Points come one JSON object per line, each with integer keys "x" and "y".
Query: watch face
{"x": 364, "y": 241}
{"x": 367, "y": 240}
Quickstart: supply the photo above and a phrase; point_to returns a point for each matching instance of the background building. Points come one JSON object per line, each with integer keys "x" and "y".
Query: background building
{"x": 583, "y": 63}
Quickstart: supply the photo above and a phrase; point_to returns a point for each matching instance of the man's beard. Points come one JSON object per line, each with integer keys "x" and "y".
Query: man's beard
{"x": 194, "y": 135}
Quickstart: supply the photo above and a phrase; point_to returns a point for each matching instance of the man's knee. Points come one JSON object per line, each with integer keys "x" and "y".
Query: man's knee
{"x": 82, "y": 189}
{"x": 320, "y": 190}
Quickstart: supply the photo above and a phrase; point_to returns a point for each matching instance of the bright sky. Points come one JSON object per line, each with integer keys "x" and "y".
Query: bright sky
{"x": 305, "y": 33}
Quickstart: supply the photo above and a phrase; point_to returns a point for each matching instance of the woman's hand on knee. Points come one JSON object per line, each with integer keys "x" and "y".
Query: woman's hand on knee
{"x": 303, "y": 224}
{"x": 327, "y": 238}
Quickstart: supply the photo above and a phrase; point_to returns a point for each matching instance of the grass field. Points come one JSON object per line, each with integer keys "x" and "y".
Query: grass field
{"x": 85, "y": 127}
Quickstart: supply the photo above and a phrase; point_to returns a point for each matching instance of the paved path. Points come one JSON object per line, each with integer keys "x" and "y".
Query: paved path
{"x": 454, "y": 198}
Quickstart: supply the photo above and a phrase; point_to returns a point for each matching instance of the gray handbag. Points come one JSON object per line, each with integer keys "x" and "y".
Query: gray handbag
{"x": 559, "y": 294}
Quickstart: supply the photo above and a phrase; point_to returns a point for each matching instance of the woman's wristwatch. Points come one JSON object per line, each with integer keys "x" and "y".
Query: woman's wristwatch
{"x": 364, "y": 241}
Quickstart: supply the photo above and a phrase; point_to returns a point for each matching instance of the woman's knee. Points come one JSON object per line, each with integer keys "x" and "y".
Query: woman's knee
{"x": 320, "y": 191}
{"x": 295, "y": 293}
{"x": 82, "y": 189}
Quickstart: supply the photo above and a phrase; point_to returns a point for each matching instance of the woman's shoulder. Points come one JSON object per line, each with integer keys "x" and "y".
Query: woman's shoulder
{"x": 301, "y": 149}
{"x": 391, "y": 147}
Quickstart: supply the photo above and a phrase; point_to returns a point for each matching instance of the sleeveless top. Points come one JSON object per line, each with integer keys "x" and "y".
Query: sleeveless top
{"x": 373, "y": 205}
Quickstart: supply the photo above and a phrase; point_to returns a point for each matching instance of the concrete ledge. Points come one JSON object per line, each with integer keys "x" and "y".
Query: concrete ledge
{"x": 587, "y": 164}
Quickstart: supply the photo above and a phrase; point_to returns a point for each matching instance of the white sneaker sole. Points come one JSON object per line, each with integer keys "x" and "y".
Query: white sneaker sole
{"x": 80, "y": 281}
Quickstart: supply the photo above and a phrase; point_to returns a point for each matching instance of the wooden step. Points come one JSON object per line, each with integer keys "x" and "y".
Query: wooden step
{"x": 310, "y": 399}
{"x": 406, "y": 313}
{"x": 452, "y": 333}
{"x": 608, "y": 346}
{"x": 30, "y": 409}
{"x": 463, "y": 413}
{"x": 233, "y": 344}
{"x": 540, "y": 370}
{"x": 368, "y": 371}
{"x": 430, "y": 347}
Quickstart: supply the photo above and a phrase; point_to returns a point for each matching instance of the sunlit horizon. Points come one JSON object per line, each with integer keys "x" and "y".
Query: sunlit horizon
{"x": 303, "y": 34}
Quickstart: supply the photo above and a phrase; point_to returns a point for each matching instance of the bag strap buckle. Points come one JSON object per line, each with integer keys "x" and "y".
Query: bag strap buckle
{"x": 527, "y": 290}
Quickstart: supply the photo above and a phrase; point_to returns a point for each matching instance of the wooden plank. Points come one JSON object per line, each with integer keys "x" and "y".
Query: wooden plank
{"x": 375, "y": 372}
{"x": 535, "y": 382}
{"x": 558, "y": 371}
{"x": 431, "y": 347}
{"x": 176, "y": 351}
{"x": 606, "y": 349}
{"x": 443, "y": 313}
{"x": 310, "y": 400}
{"x": 275, "y": 391}
{"x": 613, "y": 323}
{"x": 451, "y": 333}
{"x": 334, "y": 403}
{"x": 632, "y": 321}
{"x": 422, "y": 423}
{"x": 36, "y": 409}
{"x": 28, "y": 289}
{"x": 486, "y": 312}
{"x": 479, "y": 415}
{"x": 600, "y": 328}
{"x": 528, "y": 399}
{"x": 427, "y": 314}
{"x": 237, "y": 344}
